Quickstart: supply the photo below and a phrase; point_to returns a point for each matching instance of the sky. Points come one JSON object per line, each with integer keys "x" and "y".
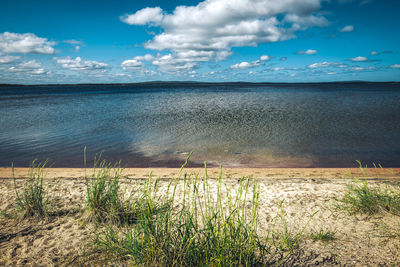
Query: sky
{"x": 46, "y": 41}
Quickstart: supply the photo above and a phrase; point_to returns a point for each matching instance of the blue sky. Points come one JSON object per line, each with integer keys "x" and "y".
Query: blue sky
{"x": 215, "y": 40}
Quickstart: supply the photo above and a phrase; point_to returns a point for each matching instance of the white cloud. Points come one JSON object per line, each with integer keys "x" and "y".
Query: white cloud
{"x": 8, "y": 59}
{"x": 303, "y": 22}
{"x": 25, "y": 43}
{"x": 73, "y": 42}
{"x": 283, "y": 59}
{"x": 29, "y": 67}
{"x": 144, "y": 16}
{"x": 39, "y": 71}
{"x": 146, "y": 57}
{"x": 322, "y": 65}
{"x": 132, "y": 65}
{"x": 241, "y": 65}
{"x": 80, "y": 64}
{"x": 245, "y": 65}
{"x": 170, "y": 63}
{"x": 307, "y": 52}
{"x": 348, "y": 28}
{"x": 77, "y": 48}
{"x": 362, "y": 68}
{"x": 213, "y": 27}
{"x": 395, "y": 66}
{"x": 265, "y": 57}
{"x": 358, "y": 59}
{"x": 373, "y": 53}
{"x": 32, "y": 64}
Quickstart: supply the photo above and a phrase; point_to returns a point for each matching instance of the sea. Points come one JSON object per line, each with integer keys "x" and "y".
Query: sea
{"x": 158, "y": 124}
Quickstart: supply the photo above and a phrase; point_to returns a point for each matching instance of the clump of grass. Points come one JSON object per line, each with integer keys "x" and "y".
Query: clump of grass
{"x": 323, "y": 235}
{"x": 198, "y": 228}
{"x": 102, "y": 193}
{"x": 361, "y": 197}
{"x": 385, "y": 230}
{"x": 286, "y": 237}
{"x": 4, "y": 214}
{"x": 105, "y": 199}
{"x": 33, "y": 201}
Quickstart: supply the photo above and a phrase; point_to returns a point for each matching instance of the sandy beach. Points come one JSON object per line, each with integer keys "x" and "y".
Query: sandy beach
{"x": 360, "y": 240}
{"x": 260, "y": 173}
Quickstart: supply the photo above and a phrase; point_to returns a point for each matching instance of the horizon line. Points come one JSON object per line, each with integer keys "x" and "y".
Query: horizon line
{"x": 199, "y": 82}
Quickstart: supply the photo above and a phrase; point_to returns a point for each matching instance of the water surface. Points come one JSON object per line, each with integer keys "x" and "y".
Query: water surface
{"x": 253, "y": 125}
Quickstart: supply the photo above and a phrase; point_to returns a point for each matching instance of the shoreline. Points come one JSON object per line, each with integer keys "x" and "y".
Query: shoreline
{"x": 227, "y": 173}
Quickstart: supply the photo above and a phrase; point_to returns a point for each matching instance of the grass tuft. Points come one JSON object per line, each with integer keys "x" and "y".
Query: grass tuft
{"x": 105, "y": 198}
{"x": 323, "y": 235}
{"x": 33, "y": 200}
{"x": 385, "y": 230}
{"x": 361, "y": 197}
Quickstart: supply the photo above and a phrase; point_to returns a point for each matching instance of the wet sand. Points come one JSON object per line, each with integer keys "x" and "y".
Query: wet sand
{"x": 260, "y": 173}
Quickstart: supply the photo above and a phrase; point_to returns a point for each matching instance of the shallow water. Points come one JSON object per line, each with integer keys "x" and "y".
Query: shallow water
{"x": 298, "y": 125}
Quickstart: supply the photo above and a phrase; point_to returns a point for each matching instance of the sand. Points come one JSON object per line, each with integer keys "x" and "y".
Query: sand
{"x": 360, "y": 240}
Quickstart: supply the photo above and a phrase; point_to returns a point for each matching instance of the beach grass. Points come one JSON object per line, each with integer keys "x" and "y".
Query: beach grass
{"x": 203, "y": 225}
{"x": 32, "y": 200}
{"x": 284, "y": 235}
{"x": 361, "y": 197}
{"x": 382, "y": 229}
{"x": 106, "y": 201}
{"x": 323, "y": 234}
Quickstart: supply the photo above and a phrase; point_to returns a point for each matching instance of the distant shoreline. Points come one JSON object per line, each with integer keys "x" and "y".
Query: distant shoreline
{"x": 192, "y": 83}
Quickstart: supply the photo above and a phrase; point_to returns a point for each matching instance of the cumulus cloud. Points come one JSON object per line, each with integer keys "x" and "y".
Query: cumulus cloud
{"x": 8, "y": 59}
{"x": 144, "y": 16}
{"x": 358, "y": 59}
{"x": 213, "y": 27}
{"x": 132, "y": 65}
{"x": 146, "y": 57}
{"x": 245, "y": 65}
{"x": 362, "y": 68}
{"x": 303, "y": 22}
{"x": 29, "y": 67}
{"x": 374, "y": 53}
{"x": 307, "y": 52}
{"x": 181, "y": 61}
{"x": 348, "y": 28}
{"x": 322, "y": 65}
{"x": 265, "y": 58}
{"x": 395, "y": 66}
{"x": 25, "y": 43}
{"x": 170, "y": 63}
{"x": 80, "y": 64}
